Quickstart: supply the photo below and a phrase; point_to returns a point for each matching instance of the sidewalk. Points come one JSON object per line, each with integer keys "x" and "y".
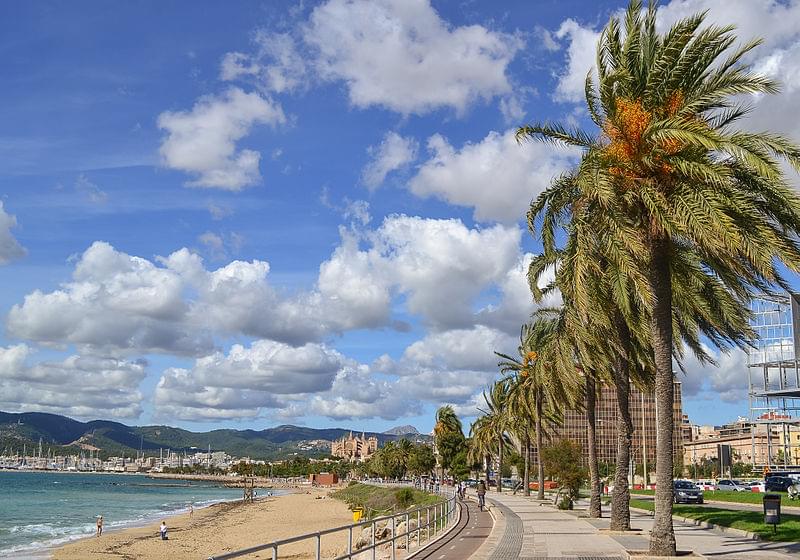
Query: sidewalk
{"x": 527, "y": 529}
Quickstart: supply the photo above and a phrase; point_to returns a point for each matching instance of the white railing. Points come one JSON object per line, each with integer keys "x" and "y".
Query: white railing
{"x": 431, "y": 522}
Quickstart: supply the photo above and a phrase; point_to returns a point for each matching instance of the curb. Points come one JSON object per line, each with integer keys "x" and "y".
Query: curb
{"x": 706, "y": 525}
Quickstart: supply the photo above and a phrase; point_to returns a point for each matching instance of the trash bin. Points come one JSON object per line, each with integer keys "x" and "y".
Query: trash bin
{"x": 772, "y": 510}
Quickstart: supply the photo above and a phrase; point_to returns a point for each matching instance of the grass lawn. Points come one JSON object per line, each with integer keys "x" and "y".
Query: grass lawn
{"x": 788, "y": 530}
{"x": 377, "y": 500}
{"x": 727, "y": 496}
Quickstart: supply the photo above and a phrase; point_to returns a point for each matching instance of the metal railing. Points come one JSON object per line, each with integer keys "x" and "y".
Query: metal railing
{"x": 431, "y": 521}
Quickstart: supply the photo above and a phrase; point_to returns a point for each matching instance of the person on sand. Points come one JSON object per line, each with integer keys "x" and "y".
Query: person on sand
{"x": 163, "y": 531}
{"x": 191, "y": 510}
{"x": 99, "y": 526}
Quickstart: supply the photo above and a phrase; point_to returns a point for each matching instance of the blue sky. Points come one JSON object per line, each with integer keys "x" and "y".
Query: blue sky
{"x": 254, "y": 213}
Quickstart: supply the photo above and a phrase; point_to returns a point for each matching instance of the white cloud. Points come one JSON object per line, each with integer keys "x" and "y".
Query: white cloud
{"x": 10, "y": 249}
{"x": 497, "y": 176}
{"x": 83, "y": 386}
{"x": 393, "y": 153}
{"x": 117, "y": 302}
{"x": 728, "y": 380}
{"x": 401, "y": 55}
{"x": 581, "y": 56}
{"x": 458, "y": 349}
{"x": 246, "y": 380}
{"x": 202, "y": 141}
{"x": 277, "y": 65}
{"x": 90, "y": 191}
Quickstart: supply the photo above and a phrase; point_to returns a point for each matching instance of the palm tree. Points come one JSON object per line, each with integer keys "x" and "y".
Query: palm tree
{"x": 540, "y": 386}
{"x": 482, "y": 444}
{"x": 674, "y": 176}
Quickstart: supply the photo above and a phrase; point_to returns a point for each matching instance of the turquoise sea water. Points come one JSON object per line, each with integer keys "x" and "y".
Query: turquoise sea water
{"x": 39, "y": 510}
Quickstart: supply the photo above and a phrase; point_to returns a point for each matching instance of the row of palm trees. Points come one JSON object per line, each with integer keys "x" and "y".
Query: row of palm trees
{"x": 658, "y": 238}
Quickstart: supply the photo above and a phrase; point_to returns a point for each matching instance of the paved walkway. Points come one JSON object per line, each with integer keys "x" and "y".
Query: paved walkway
{"x": 527, "y": 529}
{"x": 470, "y": 533}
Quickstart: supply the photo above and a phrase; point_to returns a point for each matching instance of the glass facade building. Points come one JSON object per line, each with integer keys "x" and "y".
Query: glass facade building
{"x": 774, "y": 379}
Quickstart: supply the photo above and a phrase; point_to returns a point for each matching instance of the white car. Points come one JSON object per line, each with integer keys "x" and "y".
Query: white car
{"x": 755, "y": 486}
{"x": 731, "y": 486}
{"x": 706, "y": 485}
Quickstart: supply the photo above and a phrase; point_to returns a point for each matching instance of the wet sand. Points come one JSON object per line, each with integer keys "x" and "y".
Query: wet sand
{"x": 224, "y": 528}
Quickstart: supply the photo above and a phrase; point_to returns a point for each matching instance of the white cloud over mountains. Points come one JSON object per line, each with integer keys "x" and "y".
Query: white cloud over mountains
{"x": 117, "y": 304}
{"x": 83, "y": 386}
{"x": 202, "y": 142}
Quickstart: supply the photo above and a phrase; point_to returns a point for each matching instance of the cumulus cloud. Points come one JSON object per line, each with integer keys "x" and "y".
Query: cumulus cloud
{"x": 393, "y": 153}
{"x": 246, "y": 380}
{"x": 10, "y": 249}
{"x": 80, "y": 385}
{"x": 203, "y": 141}
{"x": 401, "y": 55}
{"x": 727, "y": 380}
{"x": 116, "y": 302}
{"x": 497, "y": 176}
{"x": 581, "y": 55}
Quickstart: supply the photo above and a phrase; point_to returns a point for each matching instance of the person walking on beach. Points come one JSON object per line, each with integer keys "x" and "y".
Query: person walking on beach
{"x": 191, "y": 510}
{"x": 99, "y": 526}
{"x": 481, "y": 495}
{"x": 163, "y": 531}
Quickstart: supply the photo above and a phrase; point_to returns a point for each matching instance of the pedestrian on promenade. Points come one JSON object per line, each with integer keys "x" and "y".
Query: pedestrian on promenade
{"x": 481, "y": 495}
{"x": 99, "y": 526}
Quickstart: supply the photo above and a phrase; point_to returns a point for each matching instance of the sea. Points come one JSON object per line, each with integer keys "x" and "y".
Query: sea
{"x": 40, "y": 510}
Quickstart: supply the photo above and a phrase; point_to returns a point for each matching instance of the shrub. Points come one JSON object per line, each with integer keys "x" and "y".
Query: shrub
{"x": 404, "y": 497}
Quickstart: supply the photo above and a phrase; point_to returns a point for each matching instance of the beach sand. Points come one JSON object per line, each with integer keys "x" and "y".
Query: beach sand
{"x": 224, "y": 528}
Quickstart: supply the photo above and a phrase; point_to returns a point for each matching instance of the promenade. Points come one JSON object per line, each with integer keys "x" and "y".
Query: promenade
{"x": 527, "y": 529}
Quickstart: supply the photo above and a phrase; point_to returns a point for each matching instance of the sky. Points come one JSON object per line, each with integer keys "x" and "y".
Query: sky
{"x": 243, "y": 214}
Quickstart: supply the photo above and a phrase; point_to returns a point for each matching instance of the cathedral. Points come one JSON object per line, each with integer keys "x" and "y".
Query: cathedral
{"x": 354, "y": 448}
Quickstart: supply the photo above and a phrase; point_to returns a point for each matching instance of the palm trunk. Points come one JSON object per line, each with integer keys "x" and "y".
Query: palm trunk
{"x": 539, "y": 464}
{"x": 595, "y": 509}
{"x": 662, "y": 536}
{"x": 526, "y": 450}
{"x": 621, "y": 496}
{"x": 500, "y": 464}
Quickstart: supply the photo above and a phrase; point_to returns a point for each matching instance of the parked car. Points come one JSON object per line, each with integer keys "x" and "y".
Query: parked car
{"x": 731, "y": 486}
{"x": 755, "y": 486}
{"x": 686, "y": 491}
{"x": 706, "y": 485}
{"x": 779, "y": 483}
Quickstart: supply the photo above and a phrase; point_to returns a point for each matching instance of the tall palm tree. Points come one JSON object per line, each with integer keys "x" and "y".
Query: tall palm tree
{"x": 541, "y": 387}
{"x": 674, "y": 176}
{"x": 482, "y": 444}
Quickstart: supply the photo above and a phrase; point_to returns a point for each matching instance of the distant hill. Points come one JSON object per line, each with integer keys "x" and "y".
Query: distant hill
{"x": 114, "y": 438}
{"x": 402, "y": 431}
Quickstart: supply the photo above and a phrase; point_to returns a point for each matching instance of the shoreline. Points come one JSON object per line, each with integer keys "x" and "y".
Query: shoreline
{"x": 217, "y": 528}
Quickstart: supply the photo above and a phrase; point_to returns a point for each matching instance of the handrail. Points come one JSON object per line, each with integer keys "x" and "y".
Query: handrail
{"x": 445, "y": 510}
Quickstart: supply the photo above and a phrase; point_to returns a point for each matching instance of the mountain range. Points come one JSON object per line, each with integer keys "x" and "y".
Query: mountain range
{"x": 115, "y": 438}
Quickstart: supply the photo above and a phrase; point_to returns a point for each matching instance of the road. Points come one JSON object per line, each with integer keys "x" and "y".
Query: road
{"x": 464, "y": 539}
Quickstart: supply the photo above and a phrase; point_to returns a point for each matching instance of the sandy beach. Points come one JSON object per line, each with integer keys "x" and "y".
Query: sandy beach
{"x": 223, "y": 528}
